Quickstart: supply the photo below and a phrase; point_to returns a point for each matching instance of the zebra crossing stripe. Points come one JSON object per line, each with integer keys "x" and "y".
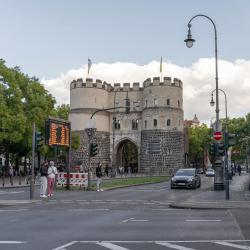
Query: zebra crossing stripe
{"x": 166, "y": 244}
{"x": 232, "y": 245}
{"x": 111, "y": 246}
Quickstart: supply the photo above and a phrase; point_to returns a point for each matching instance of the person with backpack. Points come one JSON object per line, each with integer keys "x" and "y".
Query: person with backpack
{"x": 52, "y": 172}
{"x": 43, "y": 179}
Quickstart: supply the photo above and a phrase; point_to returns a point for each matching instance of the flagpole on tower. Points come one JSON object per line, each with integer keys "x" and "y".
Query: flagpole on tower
{"x": 161, "y": 69}
{"x": 89, "y": 66}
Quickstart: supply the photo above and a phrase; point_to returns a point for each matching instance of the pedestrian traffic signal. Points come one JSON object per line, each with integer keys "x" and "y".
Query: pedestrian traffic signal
{"x": 221, "y": 149}
{"x": 93, "y": 149}
{"x": 212, "y": 149}
{"x": 38, "y": 140}
{"x": 127, "y": 105}
{"x": 229, "y": 139}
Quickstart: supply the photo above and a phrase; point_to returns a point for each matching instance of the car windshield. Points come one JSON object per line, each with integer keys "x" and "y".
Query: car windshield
{"x": 210, "y": 170}
{"x": 185, "y": 172}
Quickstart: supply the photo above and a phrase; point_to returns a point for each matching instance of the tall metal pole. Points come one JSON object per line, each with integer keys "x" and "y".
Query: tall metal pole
{"x": 33, "y": 162}
{"x": 218, "y": 179}
{"x": 113, "y": 142}
{"x": 68, "y": 166}
{"x": 226, "y": 145}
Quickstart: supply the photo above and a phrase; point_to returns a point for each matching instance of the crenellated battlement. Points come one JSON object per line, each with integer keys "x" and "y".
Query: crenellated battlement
{"x": 89, "y": 83}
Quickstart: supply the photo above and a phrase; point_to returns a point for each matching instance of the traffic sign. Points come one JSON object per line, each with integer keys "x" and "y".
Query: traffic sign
{"x": 217, "y": 135}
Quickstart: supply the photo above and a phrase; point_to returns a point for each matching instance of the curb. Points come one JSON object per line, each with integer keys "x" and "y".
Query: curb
{"x": 19, "y": 186}
{"x": 212, "y": 205}
{"x": 17, "y": 202}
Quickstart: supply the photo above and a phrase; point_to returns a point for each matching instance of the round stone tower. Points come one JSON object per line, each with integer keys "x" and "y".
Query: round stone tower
{"x": 162, "y": 126}
{"x": 85, "y": 98}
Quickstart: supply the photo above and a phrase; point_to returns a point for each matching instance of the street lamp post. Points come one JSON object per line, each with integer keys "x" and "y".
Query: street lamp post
{"x": 225, "y": 135}
{"x": 218, "y": 180}
{"x": 113, "y": 143}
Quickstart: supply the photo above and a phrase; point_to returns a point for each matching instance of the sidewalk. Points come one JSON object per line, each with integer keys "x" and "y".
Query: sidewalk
{"x": 210, "y": 199}
{"x": 16, "y": 182}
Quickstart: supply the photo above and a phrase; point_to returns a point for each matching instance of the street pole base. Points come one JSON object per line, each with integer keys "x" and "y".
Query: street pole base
{"x": 218, "y": 186}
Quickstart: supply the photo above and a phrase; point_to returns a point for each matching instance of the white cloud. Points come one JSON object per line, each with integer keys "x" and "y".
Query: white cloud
{"x": 198, "y": 82}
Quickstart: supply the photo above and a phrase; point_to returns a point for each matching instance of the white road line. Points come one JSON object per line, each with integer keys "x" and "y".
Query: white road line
{"x": 203, "y": 220}
{"x": 166, "y": 244}
{"x": 232, "y": 245}
{"x": 12, "y": 242}
{"x": 111, "y": 246}
{"x": 66, "y": 245}
{"x": 14, "y": 210}
{"x": 101, "y": 209}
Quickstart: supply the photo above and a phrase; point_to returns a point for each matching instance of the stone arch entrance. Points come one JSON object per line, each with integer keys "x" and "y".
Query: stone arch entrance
{"x": 127, "y": 156}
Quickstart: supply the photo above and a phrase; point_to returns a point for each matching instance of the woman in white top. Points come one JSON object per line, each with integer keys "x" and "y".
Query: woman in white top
{"x": 52, "y": 172}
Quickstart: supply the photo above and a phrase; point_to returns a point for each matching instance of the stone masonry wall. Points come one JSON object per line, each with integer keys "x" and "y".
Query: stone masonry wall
{"x": 161, "y": 151}
{"x": 81, "y": 155}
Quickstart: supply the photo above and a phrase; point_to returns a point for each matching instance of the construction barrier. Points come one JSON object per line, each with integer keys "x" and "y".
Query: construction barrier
{"x": 76, "y": 180}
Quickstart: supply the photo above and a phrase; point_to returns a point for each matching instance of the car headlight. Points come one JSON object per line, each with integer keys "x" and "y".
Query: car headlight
{"x": 191, "y": 180}
{"x": 173, "y": 179}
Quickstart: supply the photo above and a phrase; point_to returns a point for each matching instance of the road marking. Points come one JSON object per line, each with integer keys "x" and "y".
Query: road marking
{"x": 133, "y": 220}
{"x": 233, "y": 245}
{"x": 101, "y": 209}
{"x": 111, "y": 246}
{"x": 167, "y": 209}
{"x": 14, "y": 210}
{"x": 166, "y": 244}
{"x": 203, "y": 220}
{"x": 66, "y": 245}
{"x": 12, "y": 242}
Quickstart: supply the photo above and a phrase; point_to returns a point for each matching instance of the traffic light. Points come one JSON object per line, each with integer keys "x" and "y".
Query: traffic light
{"x": 127, "y": 105}
{"x": 93, "y": 149}
{"x": 212, "y": 149}
{"x": 221, "y": 149}
{"x": 39, "y": 140}
{"x": 229, "y": 139}
{"x": 114, "y": 122}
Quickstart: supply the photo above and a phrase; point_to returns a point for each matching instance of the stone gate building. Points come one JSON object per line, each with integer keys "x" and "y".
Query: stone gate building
{"x": 154, "y": 126}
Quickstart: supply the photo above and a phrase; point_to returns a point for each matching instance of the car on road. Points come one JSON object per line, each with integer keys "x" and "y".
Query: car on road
{"x": 186, "y": 178}
{"x": 210, "y": 172}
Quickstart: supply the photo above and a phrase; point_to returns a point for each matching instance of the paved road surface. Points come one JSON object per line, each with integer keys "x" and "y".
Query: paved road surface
{"x": 125, "y": 219}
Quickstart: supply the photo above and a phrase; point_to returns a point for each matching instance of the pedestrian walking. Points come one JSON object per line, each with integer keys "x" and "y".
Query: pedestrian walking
{"x": 11, "y": 174}
{"x": 107, "y": 170}
{"x": 43, "y": 179}
{"x": 52, "y": 172}
{"x": 239, "y": 170}
{"x": 98, "y": 173}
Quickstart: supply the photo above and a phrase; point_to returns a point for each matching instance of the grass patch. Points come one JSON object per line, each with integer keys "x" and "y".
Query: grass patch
{"x": 123, "y": 182}
{"x": 132, "y": 181}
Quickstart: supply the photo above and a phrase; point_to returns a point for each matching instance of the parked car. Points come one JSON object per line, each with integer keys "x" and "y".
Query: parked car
{"x": 186, "y": 177}
{"x": 210, "y": 172}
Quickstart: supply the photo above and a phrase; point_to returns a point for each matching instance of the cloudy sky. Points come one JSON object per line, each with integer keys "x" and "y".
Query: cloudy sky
{"x": 52, "y": 40}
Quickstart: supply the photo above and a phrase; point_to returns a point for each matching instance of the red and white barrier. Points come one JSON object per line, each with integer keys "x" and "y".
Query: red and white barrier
{"x": 76, "y": 179}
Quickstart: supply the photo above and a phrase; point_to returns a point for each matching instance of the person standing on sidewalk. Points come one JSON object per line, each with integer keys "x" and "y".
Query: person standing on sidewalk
{"x": 43, "y": 180}
{"x": 52, "y": 172}
{"x": 239, "y": 170}
{"x": 98, "y": 173}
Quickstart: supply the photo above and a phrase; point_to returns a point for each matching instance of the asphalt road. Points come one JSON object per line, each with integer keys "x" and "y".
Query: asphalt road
{"x": 124, "y": 219}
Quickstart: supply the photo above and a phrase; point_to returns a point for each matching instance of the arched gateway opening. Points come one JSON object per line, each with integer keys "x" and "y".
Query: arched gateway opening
{"x": 127, "y": 157}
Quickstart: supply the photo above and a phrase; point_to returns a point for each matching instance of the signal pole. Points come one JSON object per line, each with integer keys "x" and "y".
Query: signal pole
{"x": 33, "y": 162}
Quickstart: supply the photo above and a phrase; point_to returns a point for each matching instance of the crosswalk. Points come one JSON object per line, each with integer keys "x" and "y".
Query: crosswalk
{"x": 156, "y": 245}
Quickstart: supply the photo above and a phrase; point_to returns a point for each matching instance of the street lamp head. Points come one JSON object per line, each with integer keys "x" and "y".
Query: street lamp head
{"x": 212, "y": 101}
{"x": 189, "y": 41}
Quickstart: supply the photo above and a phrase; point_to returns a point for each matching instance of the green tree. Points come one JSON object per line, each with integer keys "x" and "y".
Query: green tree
{"x": 199, "y": 139}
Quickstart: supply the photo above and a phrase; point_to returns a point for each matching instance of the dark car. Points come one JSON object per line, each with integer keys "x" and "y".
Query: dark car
{"x": 187, "y": 178}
